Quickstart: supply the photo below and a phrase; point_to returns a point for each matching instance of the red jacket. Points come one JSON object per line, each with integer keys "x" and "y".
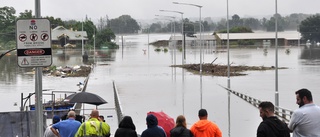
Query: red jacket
{"x": 205, "y": 128}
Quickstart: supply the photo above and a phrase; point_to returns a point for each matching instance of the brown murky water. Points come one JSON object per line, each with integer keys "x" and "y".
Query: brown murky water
{"x": 147, "y": 83}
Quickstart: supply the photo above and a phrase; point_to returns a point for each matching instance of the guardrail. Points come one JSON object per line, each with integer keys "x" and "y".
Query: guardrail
{"x": 281, "y": 113}
{"x": 78, "y": 106}
{"x": 117, "y": 103}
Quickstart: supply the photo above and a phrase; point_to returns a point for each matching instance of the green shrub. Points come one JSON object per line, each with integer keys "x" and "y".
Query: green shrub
{"x": 157, "y": 49}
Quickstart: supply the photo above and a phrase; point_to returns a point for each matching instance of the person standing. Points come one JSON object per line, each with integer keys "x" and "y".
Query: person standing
{"x": 48, "y": 132}
{"x": 271, "y": 126}
{"x": 126, "y": 128}
{"x": 305, "y": 121}
{"x": 153, "y": 129}
{"x": 94, "y": 127}
{"x": 180, "y": 130}
{"x": 67, "y": 128}
{"x": 204, "y": 127}
{"x": 101, "y": 118}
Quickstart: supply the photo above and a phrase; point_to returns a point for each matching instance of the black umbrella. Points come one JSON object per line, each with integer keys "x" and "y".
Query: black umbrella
{"x": 86, "y": 97}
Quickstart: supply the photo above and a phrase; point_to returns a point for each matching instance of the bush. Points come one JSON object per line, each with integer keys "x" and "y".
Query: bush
{"x": 157, "y": 49}
{"x": 246, "y": 42}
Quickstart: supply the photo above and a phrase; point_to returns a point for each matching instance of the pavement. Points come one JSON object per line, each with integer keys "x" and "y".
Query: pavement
{"x": 100, "y": 84}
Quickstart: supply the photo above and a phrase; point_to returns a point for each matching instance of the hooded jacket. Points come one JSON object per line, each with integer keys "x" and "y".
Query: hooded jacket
{"x": 180, "y": 131}
{"x": 153, "y": 129}
{"x": 273, "y": 127}
{"x": 126, "y": 128}
{"x": 205, "y": 128}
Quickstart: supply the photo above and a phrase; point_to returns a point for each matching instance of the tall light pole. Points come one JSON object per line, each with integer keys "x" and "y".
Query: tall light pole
{"x": 82, "y": 51}
{"x": 183, "y": 52}
{"x": 276, "y": 65}
{"x": 199, "y": 6}
{"x": 229, "y": 119}
{"x": 94, "y": 46}
{"x": 38, "y": 85}
{"x": 174, "y": 34}
{"x": 200, "y": 44}
{"x": 182, "y": 32}
{"x": 65, "y": 48}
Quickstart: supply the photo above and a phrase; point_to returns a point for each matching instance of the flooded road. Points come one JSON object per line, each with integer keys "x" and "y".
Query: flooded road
{"x": 147, "y": 83}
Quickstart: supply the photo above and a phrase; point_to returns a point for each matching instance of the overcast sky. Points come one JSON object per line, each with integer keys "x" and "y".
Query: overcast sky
{"x": 146, "y": 9}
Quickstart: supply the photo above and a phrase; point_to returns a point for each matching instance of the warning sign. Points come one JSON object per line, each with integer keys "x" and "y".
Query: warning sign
{"x": 44, "y": 36}
{"x": 34, "y": 42}
{"x": 24, "y": 62}
{"x": 22, "y": 37}
{"x": 33, "y": 37}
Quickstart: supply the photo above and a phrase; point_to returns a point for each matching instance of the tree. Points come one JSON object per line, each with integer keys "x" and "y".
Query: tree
{"x": 55, "y": 22}
{"x": 7, "y": 24}
{"x": 104, "y": 37}
{"x": 252, "y": 23}
{"x": 270, "y": 24}
{"x": 27, "y": 14}
{"x": 236, "y": 21}
{"x": 310, "y": 28}
{"x": 155, "y": 27}
{"x": 124, "y": 24}
{"x": 238, "y": 30}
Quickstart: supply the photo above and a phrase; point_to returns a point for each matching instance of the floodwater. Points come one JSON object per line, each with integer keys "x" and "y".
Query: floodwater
{"x": 147, "y": 83}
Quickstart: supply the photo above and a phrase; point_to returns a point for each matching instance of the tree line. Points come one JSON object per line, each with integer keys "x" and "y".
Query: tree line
{"x": 105, "y": 30}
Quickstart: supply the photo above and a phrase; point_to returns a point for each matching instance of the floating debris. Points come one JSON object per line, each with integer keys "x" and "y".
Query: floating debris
{"x": 222, "y": 70}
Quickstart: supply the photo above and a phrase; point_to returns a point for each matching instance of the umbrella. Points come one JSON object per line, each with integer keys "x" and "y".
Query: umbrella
{"x": 164, "y": 120}
{"x": 86, "y": 97}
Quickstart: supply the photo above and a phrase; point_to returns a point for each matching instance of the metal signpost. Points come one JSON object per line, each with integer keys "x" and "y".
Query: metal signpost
{"x": 34, "y": 43}
{"x": 34, "y": 50}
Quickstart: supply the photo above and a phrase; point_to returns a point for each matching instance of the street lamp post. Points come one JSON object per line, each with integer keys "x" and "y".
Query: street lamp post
{"x": 199, "y": 6}
{"x": 276, "y": 65}
{"x": 94, "y": 45}
{"x": 200, "y": 44}
{"x": 228, "y": 43}
{"x": 183, "y": 49}
{"x": 65, "y": 48}
{"x": 82, "y": 49}
{"x": 174, "y": 35}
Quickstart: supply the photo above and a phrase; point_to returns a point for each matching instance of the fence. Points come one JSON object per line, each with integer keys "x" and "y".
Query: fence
{"x": 19, "y": 124}
{"x": 281, "y": 113}
{"x": 117, "y": 103}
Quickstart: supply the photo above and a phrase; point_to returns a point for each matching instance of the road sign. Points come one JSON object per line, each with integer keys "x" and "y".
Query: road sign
{"x": 34, "y": 43}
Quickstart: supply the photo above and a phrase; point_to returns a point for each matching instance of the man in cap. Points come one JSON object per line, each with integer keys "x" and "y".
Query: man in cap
{"x": 204, "y": 127}
{"x": 48, "y": 132}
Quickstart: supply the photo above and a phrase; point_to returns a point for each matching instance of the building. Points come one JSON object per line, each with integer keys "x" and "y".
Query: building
{"x": 286, "y": 38}
{"x": 65, "y": 37}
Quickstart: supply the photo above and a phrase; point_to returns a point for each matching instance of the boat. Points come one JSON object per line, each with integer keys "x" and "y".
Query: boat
{"x": 51, "y": 108}
{"x": 50, "y": 105}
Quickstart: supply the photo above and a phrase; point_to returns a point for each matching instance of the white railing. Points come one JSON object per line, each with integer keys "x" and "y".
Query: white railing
{"x": 281, "y": 113}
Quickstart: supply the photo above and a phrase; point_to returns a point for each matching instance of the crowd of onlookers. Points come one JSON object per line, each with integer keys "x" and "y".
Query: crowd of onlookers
{"x": 304, "y": 122}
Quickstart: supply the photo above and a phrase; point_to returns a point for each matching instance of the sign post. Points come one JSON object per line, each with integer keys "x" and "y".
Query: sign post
{"x": 34, "y": 50}
{"x": 34, "y": 43}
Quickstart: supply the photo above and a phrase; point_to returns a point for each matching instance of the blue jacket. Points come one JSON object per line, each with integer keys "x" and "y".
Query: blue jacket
{"x": 153, "y": 129}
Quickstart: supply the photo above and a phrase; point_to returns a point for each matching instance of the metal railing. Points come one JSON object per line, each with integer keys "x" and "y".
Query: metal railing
{"x": 281, "y": 113}
{"x": 117, "y": 103}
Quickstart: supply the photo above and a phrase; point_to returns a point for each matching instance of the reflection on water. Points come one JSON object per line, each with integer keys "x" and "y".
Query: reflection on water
{"x": 148, "y": 81}
{"x": 11, "y": 73}
{"x": 311, "y": 56}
